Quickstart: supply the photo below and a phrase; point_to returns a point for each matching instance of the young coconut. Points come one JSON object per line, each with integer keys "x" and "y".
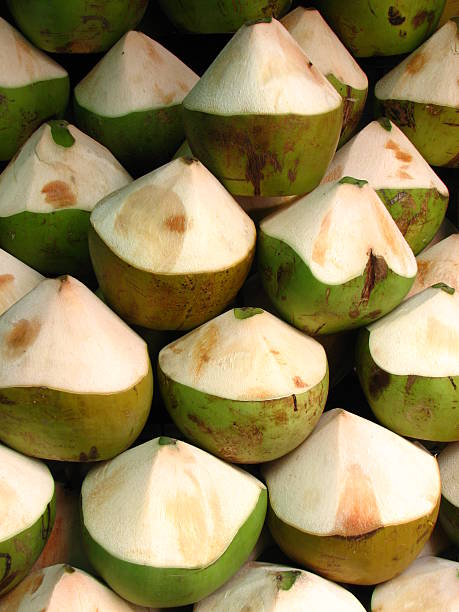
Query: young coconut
{"x": 172, "y": 249}
{"x": 428, "y": 115}
{"x": 27, "y": 509}
{"x": 47, "y": 194}
{"x": 75, "y": 383}
{"x": 374, "y": 515}
{"x": 131, "y": 102}
{"x": 439, "y": 264}
{"x": 16, "y": 279}
{"x": 411, "y": 191}
{"x": 430, "y": 584}
{"x": 408, "y": 366}
{"x": 245, "y": 386}
{"x": 191, "y": 522}
{"x": 448, "y": 460}
{"x": 330, "y": 56}
{"x": 335, "y": 259}
{"x": 277, "y": 588}
{"x": 33, "y": 88}
{"x": 262, "y": 118}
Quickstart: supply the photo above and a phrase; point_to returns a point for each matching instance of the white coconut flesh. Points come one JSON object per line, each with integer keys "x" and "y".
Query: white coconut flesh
{"x": 386, "y": 159}
{"x": 177, "y": 219}
{"x": 374, "y": 478}
{"x": 61, "y": 336}
{"x": 16, "y": 279}
{"x": 22, "y": 64}
{"x": 336, "y": 227}
{"x": 47, "y": 177}
{"x": 439, "y": 264}
{"x": 323, "y": 47}
{"x": 430, "y": 584}
{"x": 185, "y": 506}
{"x": 278, "y": 588}
{"x": 262, "y": 70}
{"x": 429, "y": 74}
{"x": 420, "y": 337}
{"x": 137, "y": 74}
{"x": 249, "y": 359}
{"x": 26, "y": 488}
{"x": 448, "y": 460}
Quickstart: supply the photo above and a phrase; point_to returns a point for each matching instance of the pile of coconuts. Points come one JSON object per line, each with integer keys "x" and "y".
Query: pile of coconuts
{"x": 229, "y": 305}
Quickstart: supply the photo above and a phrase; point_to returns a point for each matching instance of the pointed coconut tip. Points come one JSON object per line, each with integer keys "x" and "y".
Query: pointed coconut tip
{"x": 16, "y": 279}
{"x": 448, "y": 460}
{"x": 439, "y": 263}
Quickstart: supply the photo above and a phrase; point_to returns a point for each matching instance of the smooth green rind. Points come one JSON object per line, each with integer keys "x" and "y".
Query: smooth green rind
{"x": 19, "y": 553}
{"x": 412, "y": 406}
{"x": 164, "y": 301}
{"x": 53, "y": 424}
{"x": 265, "y": 155}
{"x": 382, "y": 27}
{"x": 353, "y": 105}
{"x": 449, "y": 519}
{"x": 76, "y": 26}
{"x": 316, "y": 308}
{"x": 168, "y": 587}
{"x": 243, "y": 431}
{"x": 23, "y": 110}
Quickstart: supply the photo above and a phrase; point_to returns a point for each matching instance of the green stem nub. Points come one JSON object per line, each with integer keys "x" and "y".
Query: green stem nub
{"x": 444, "y": 287}
{"x": 60, "y": 133}
{"x": 353, "y": 181}
{"x": 285, "y": 580}
{"x": 165, "y": 440}
{"x": 247, "y": 312}
{"x": 385, "y": 123}
{"x": 259, "y": 20}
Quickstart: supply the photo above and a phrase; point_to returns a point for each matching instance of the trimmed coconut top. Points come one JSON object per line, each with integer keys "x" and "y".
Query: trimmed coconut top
{"x": 185, "y": 506}
{"x": 439, "y": 264}
{"x": 245, "y": 354}
{"x": 429, "y": 584}
{"x": 429, "y": 74}
{"x": 177, "y": 219}
{"x": 61, "y": 336}
{"x": 337, "y": 228}
{"x": 386, "y": 158}
{"x": 59, "y": 167}
{"x": 26, "y": 488}
{"x": 323, "y": 47}
{"x": 16, "y": 279}
{"x": 262, "y": 70}
{"x": 21, "y": 63}
{"x": 448, "y": 460}
{"x": 137, "y": 74}
{"x": 420, "y": 337}
{"x": 278, "y": 588}
{"x": 374, "y": 477}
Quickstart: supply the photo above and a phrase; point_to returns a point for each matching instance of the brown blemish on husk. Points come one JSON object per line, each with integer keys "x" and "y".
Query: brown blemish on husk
{"x": 375, "y": 271}
{"x": 6, "y": 279}
{"x": 321, "y": 243}
{"x": 21, "y": 337}
{"x": 416, "y": 63}
{"x": 59, "y": 194}
{"x": 398, "y": 152}
{"x": 176, "y": 223}
{"x": 410, "y": 380}
{"x": 394, "y": 16}
{"x": 379, "y": 381}
{"x": 400, "y": 112}
{"x": 202, "y": 352}
{"x": 422, "y": 17}
{"x": 358, "y": 511}
{"x": 200, "y": 424}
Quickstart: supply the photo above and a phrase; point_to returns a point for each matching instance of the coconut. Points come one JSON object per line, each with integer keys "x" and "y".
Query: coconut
{"x": 33, "y": 88}
{"x": 448, "y": 460}
{"x": 27, "y": 509}
{"x": 439, "y": 264}
{"x": 408, "y": 366}
{"x": 335, "y": 259}
{"x": 277, "y": 588}
{"x": 191, "y": 522}
{"x": 131, "y": 102}
{"x": 245, "y": 386}
{"x": 354, "y": 502}
{"x": 75, "y": 382}
{"x": 330, "y": 56}
{"x": 172, "y": 249}
{"x": 413, "y": 194}
{"x": 47, "y": 194}
{"x": 262, "y": 118}
{"x": 428, "y": 115}
{"x": 430, "y": 584}
{"x": 16, "y": 279}
{"x": 75, "y": 26}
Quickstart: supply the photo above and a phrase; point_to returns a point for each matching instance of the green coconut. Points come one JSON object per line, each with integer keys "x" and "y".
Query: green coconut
{"x": 245, "y": 386}
{"x": 330, "y": 56}
{"x": 421, "y": 95}
{"x": 382, "y": 27}
{"x": 355, "y": 502}
{"x": 131, "y": 102}
{"x": 33, "y": 88}
{"x": 172, "y": 249}
{"x": 166, "y": 524}
{"x": 408, "y": 366}
{"x": 411, "y": 191}
{"x": 16, "y": 279}
{"x": 76, "y": 383}
{"x": 448, "y": 460}
{"x": 47, "y": 194}
{"x": 438, "y": 264}
{"x": 27, "y": 509}
{"x": 335, "y": 259}
{"x": 262, "y": 118}
{"x": 76, "y": 26}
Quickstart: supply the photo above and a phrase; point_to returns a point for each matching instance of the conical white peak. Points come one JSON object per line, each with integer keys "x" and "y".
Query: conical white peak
{"x": 16, "y": 279}
{"x": 439, "y": 264}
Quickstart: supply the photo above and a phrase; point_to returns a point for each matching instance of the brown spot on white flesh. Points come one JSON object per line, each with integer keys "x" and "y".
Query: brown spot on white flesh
{"x": 176, "y": 223}
{"x": 59, "y": 194}
{"x": 6, "y": 279}
{"x": 416, "y": 63}
{"x": 403, "y": 174}
{"x": 321, "y": 243}
{"x": 398, "y": 152}
{"x": 334, "y": 174}
{"x": 357, "y": 511}
{"x": 299, "y": 382}
{"x": 22, "y": 335}
{"x": 202, "y": 352}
